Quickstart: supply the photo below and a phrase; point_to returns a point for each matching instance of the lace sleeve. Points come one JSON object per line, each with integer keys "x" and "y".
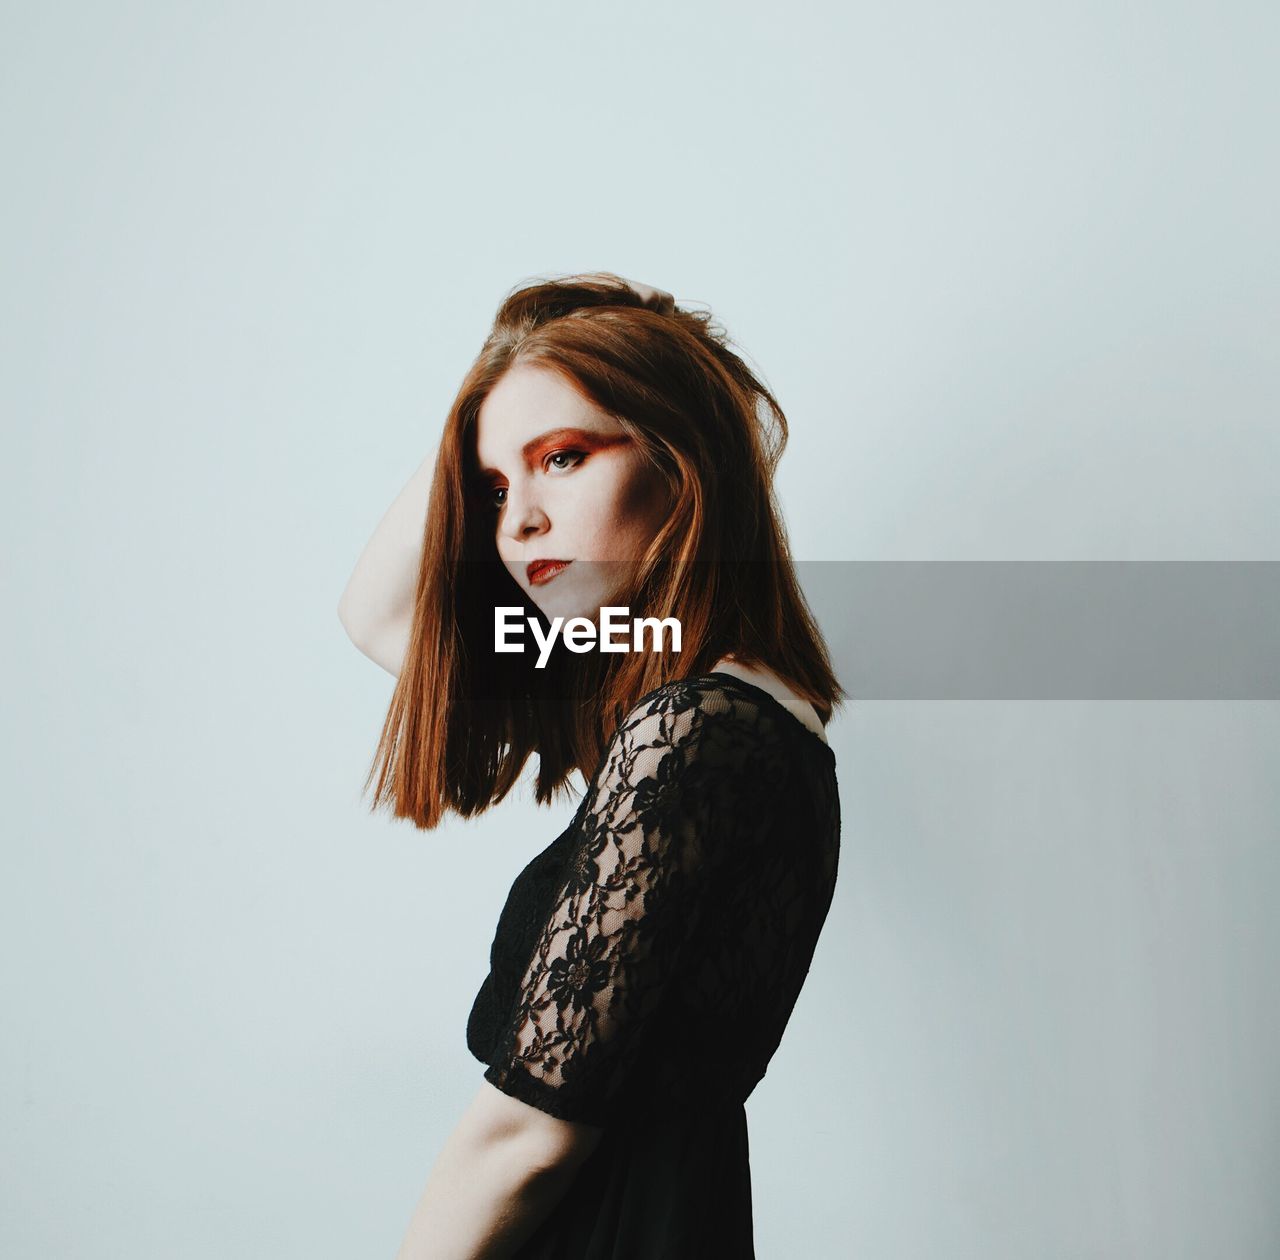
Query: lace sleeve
{"x": 630, "y": 897}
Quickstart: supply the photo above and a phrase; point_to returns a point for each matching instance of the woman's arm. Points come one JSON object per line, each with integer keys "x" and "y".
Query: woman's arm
{"x": 498, "y": 1175}
{"x": 376, "y": 608}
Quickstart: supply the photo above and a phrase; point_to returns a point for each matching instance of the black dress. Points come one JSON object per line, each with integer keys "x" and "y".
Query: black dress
{"x": 647, "y": 961}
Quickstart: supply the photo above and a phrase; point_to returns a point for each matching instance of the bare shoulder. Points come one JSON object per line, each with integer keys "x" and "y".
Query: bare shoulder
{"x": 768, "y": 681}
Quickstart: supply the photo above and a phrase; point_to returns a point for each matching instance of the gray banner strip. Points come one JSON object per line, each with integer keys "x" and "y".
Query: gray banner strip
{"x": 1050, "y": 630}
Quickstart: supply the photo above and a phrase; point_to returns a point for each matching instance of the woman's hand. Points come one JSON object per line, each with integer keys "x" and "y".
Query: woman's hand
{"x": 658, "y": 299}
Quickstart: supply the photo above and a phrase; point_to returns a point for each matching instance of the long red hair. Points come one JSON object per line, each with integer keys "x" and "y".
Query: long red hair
{"x": 463, "y": 718}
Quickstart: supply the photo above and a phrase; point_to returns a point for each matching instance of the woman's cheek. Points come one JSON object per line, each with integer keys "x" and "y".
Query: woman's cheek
{"x": 646, "y": 507}
{"x": 634, "y": 494}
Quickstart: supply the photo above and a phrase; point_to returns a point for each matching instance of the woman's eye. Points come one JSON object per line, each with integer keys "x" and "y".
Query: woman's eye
{"x": 557, "y": 461}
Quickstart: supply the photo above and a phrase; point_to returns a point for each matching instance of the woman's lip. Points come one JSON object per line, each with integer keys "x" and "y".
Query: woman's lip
{"x": 540, "y": 571}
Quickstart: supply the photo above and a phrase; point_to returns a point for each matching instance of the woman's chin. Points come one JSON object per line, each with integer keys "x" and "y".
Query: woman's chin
{"x": 566, "y": 605}
{"x": 564, "y": 597}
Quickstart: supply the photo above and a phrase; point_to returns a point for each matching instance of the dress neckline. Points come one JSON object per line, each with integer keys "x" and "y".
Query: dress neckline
{"x": 777, "y": 704}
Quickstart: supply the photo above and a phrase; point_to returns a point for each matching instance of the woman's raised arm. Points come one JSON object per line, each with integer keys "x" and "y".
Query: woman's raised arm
{"x": 376, "y": 608}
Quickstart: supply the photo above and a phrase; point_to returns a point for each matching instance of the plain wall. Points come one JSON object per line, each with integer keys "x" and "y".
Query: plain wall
{"x": 1011, "y": 270}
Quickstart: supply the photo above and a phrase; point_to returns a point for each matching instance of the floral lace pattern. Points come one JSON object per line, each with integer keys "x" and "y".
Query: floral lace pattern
{"x": 686, "y": 899}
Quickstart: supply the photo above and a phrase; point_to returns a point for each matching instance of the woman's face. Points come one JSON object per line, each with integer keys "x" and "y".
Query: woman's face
{"x": 564, "y": 482}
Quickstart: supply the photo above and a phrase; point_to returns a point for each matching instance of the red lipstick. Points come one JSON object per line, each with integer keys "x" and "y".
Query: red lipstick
{"x": 539, "y": 571}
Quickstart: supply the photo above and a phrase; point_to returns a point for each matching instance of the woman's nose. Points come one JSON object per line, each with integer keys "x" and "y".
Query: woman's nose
{"x": 522, "y": 518}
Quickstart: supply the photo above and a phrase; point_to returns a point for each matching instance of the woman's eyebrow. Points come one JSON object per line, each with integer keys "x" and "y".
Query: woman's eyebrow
{"x": 558, "y": 437}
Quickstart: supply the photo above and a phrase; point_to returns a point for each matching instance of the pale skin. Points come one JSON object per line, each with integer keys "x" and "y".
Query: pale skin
{"x": 566, "y": 484}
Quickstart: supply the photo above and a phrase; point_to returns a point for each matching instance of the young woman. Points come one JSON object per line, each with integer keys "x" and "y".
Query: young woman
{"x": 608, "y": 450}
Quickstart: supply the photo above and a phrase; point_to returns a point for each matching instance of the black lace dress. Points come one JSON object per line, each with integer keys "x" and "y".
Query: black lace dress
{"x": 647, "y": 961}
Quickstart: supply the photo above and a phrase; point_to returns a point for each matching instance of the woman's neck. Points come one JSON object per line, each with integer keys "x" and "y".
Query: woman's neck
{"x": 768, "y": 681}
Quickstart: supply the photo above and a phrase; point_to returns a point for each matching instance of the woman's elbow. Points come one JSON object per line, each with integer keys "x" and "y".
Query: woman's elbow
{"x": 384, "y": 646}
{"x": 346, "y": 613}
